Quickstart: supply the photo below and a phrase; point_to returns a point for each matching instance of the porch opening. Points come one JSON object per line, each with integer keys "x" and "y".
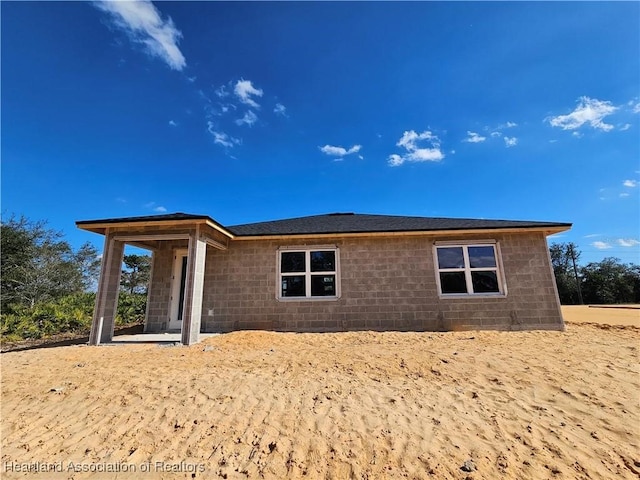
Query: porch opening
{"x": 133, "y": 296}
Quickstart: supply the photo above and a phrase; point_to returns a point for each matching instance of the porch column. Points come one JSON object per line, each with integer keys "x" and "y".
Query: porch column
{"x": 194, "y": 289}
{"x": 104, "y": 313}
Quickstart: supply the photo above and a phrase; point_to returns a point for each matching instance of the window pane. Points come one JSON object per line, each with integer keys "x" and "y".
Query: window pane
{"x": 323, "y": 261}
{"x": 450, "y": 257}
{"x": 293, "y": 286}
{"x": 453, "y": 282}
{"x": 484, "y": 282}
{"x": 292, "y": 262}
{"x": 482, "y": 257}
{"x": 323, "y": 285}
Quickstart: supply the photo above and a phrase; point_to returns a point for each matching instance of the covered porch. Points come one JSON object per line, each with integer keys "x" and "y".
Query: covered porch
{"x": 178, "y": 243}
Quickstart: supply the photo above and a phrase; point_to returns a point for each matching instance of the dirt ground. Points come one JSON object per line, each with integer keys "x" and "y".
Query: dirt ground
{"x": 611, "y": 315}
{"x": 458, "y": 405}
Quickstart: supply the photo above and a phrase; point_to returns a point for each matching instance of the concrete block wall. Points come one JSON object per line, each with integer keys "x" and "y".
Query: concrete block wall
{"x": 159, "y": 296}
{"x": 388, "y": 283}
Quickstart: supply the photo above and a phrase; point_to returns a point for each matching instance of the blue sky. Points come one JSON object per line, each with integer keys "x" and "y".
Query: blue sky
{"x": 258, "y": 111}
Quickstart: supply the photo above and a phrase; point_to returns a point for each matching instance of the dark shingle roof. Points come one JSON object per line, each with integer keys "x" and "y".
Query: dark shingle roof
{"x": 361, "y": 223}
{"x": 338, "y": 223}
{"x": 149, "y": 218}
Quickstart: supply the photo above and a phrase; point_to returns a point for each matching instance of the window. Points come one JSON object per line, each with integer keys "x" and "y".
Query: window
{"x": 308, "y": 273}
{"x": 468, "y": 269}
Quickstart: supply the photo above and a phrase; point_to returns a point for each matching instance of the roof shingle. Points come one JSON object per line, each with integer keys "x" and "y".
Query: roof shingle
{"x": 149, "y": 218}
{"x": 340, "y": 223}
{"x": 362, "y": 223}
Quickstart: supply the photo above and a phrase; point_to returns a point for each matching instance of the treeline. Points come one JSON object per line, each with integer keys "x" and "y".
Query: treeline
{"x": 47, "y": 287}
{"x": 606, "y": 282}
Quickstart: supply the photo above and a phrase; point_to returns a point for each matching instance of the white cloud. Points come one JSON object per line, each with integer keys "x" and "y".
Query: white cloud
{"x": 625, "y": 127}
{"x": 249, "y": 119}
{"x": 203, "y": 96}
{"x": 630, "y": 183}
{"x": 222, "y": 138}
{"x": 589, "y": 111}
{"x": 591, "y": 235}
{"x": 624, "y": 194}
{"x": 510, "y": 141}
{"x": 280, "y": 109}
{"x": 425, "y": 155}
{"x": 410, "y": 138}
{"x": 245, "y": 90}
{"x": 628, "y": 242}
{"x": 221, "y": 92}
{"x": 473, "y": 137}
{"x": 172, "y": 123}
{"x": 601, "y": 245}
{"x": 220, "y": 109}
{"x": 339, "y": 151}
{"x": 143, "y": 24}
{"x": 409, "y": 141}
{"x": 497, "y": 131}
{"x": 636, "y": 108}
{"x": 225, "y": 140}
{"x": 395, "y": 160}
{"x": 154, "y": 207}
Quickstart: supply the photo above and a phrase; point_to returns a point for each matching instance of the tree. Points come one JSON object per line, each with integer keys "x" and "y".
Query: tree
{"x": 610, "y": 281}
{"x": 87, "y": 260}
{"x": 136, "y": 274}
{"x": 37, "y": 265}
{"x": 564, "y": 257}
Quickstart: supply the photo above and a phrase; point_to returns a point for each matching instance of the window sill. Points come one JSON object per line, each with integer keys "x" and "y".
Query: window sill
{"x": 307, "y": 299}
{"x": 468, "y": 296}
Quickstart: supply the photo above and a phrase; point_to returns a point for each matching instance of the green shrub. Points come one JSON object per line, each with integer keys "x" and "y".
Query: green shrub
{"x": 131, "y": 308}
{"x": 70, "y": 314}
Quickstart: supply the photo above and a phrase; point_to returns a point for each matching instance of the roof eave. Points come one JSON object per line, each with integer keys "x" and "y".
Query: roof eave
{"x": 101, "y": 227}
{"x": 546, "y": 229}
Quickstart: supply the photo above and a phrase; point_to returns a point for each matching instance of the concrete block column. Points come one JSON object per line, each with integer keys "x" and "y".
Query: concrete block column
{"x": 194, "y": 287}
{"x": 104, "y": 314}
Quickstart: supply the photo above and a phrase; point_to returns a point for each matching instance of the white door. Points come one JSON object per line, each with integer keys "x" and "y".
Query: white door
{"x": 178, "y": 283}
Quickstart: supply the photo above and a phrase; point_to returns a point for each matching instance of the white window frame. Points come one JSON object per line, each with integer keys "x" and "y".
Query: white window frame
{"x": 502, "y": 283}
{"x": 307, "y": 273}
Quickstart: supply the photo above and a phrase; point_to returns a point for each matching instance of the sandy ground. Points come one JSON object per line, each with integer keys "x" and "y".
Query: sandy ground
{"x": 611, "y": 315}
{"x": 560, "y": 405}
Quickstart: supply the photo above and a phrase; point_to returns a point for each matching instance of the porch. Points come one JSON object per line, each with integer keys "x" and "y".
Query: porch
{"x": 178, "y": 243}
{"x": 165, "y": 339}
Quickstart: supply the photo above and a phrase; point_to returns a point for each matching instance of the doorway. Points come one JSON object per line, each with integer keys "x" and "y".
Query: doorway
{"x": 178, "y": 284}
